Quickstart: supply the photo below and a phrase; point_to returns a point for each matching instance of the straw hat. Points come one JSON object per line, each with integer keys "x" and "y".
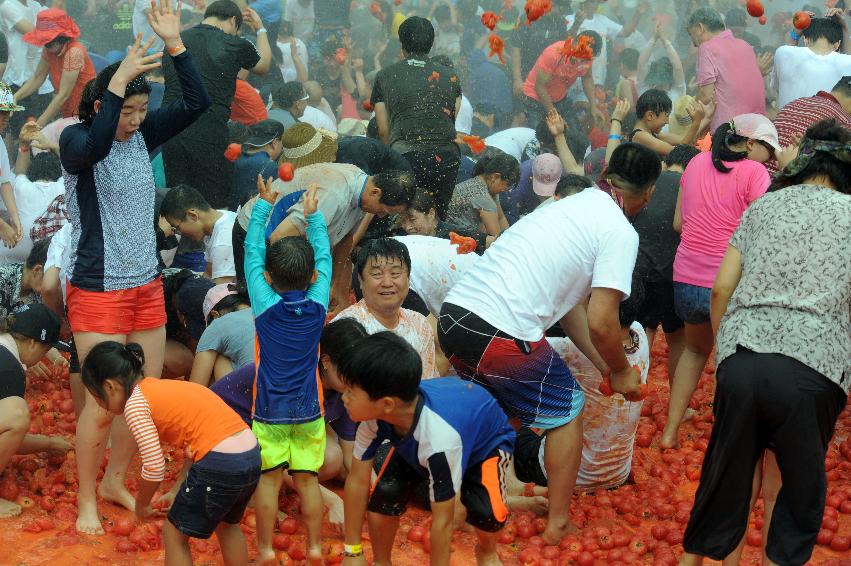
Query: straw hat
{"x": 305, "y": 145}
{"x": 679, "y": 120}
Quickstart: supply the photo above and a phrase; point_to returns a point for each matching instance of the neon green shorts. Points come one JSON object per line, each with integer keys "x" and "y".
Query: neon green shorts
{"x": 296, "y": 447}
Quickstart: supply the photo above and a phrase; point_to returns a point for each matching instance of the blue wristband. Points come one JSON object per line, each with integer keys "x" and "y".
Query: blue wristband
{"x": 615, "y": 137}
{"x": 794, "y": 35}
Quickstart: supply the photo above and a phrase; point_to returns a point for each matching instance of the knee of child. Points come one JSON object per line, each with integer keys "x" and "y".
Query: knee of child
{"x": 333, "y": 461}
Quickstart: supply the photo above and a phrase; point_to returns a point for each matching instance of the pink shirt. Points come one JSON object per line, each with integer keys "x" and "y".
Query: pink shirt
{"x": 712, "y": 205}
{"x": 730, "y": 64}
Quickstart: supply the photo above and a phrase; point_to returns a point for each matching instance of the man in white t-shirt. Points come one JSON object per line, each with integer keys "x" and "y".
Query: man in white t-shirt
{"x": 192, "y": 217}
{"x": 464, "y": 119}
{"x": 588, "y": 18}
{"x": 18, "y": 17}
{"x": 300, "y": 14}
{"x": 801, "y": 71}
{"x": 540, "y": 272}
{"x": 512, "y": 141}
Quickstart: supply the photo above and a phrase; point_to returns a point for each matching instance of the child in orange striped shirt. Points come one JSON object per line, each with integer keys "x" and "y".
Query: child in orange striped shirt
{"x": 224, "y": 455}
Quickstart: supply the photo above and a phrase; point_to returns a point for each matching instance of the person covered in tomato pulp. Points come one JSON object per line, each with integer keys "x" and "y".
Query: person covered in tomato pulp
{"x": 289, "y": 285}
{"x": 448, "y": 433}
{"x": 222, "y": 461}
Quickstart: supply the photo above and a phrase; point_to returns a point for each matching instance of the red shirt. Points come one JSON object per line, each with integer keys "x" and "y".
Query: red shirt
{"x": 247, "y": 106}
{"x": 796, "y": 117}
{"x": 563, "y": 72}
{"x": 73, "y": 58}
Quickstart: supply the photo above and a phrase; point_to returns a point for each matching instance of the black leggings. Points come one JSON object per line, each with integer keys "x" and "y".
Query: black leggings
{"x": 765, "y": 400}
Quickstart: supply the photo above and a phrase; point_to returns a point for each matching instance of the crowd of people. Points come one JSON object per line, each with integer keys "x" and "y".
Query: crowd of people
{"x": 424, "y": 249}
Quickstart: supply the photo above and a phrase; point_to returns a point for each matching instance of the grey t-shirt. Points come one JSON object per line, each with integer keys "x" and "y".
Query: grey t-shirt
{"x": 468, "y": 199}
{"x": 231, "y": 335}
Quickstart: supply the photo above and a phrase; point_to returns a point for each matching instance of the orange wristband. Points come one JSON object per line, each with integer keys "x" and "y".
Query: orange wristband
{"x": 176, "y": 49}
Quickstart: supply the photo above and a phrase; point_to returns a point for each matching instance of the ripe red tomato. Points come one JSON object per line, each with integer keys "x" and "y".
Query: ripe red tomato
{"x": 840, "y": 543}
{"x": 833, "y": 501}
{"x": 845, "y": 507}
{"x": 416, "y": 534}
{"x": 45, "y": 523}
{"x": 606, "y": 542}
{"x": 288, "y": 526}
{"x": 659, "y": 532}
{"x": 830, "y": 523}
{"x": 525, "y": 530}
{"x": 755, "y": 8}
{"x": 48, "y": 503}
{"x": 620, "y": 539}
{"x": 529, "y": 555}
{"x": 643, "y": 440}
{"x": 285, "y": 171}
{"x": 280, "y": 541}
{"x": 506, "y": 536}
{"x": 754, "y": 538}
{"x": 124, "y": 546}
{"x": 763, "y": 20}
{"x": 638, "y": 546}
{"x": 123, "y": 527}
{"x": 296, "y": 552}
{"x": 540, "y": 525}
{"x": 585, "y": 559}
{"x": 535, "y": 540}
{"x": 66, "y": 406}
{"x": 674, "y": 537}
{"x": 801, "y": 20}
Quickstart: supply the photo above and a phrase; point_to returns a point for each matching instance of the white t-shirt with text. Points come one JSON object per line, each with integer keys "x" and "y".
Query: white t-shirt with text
{"x": 218, "y": 246}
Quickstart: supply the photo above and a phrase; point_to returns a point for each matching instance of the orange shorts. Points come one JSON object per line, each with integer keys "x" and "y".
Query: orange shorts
{"x": 116, "y": 312}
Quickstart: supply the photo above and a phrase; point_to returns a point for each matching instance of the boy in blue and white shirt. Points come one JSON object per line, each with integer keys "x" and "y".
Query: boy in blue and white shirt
{"x": 445, "y": 432}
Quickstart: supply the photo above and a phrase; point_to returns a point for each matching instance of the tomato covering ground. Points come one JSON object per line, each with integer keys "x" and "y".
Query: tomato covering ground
{"x": 639, "y": 523}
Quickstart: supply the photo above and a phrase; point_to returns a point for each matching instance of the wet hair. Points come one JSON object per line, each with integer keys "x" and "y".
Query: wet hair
{"x": 422, "y": 202}
{"x": 38, "y": 253}
{"x": 653, "y": 100}
{"x": 384, "y": 248}
{"x": 383, "y": 365}
{"x": 661, "y": 68}
{"x": 7, "y": 323}
{"x": 709, "y": 17}
{"x": 631, "y": 307}
{"x": 596, "y": 41}
{"x": 96, "y": 88}
{"x": 287, "y": 94}
{"x": 285, "y": 28}
{"x": 505, "y": 165}
{"x": 290, "y": 263}
{"x": 681, "y": 155}
{"x": 416, "y": 35}
{"x": 444, "y": 60}
{"x": 821, "y": 163}
{"x": 45, "y": 167}
{"x": 724, "y": 137}
{"x": 113, "y": 360}
{"x": 224, "y": 10}
{"x": 635, "y": 167}
{"x": 180, "y": 199}
{"x": 570, "y": 184}
{"x": 823, "y": 28}
{"x": 329, "y": 46}
{"x": 843, "y": 86}
{"x": 397, "y": 187}
{"x": 58, "y": 40}
{"x": 338, "y": 336}
{"x": 629, "y": 58}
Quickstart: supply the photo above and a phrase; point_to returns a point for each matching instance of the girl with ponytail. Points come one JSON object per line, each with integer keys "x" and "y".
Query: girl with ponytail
{"x": 222, "y": 459}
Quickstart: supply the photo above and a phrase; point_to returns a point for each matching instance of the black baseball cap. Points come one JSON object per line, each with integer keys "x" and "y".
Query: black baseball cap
{"x": 38, "y": 322}
{"x": 263, "y": 132}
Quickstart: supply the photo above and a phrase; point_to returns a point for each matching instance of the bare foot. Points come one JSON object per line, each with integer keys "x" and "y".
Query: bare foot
{"x": 266, "y": 557}
{"x": 669, "y": 441}
{"x": 553, "y": 534}
{"x": 9, "y": 509}
{"x": 59, "y": 445}
{"x": 487, "y": 559}
{"x": 111, "y": 490}
{"x": 88, "y": 521}
{"x": 314, "y": 556}
{"x": 687, "y": 416}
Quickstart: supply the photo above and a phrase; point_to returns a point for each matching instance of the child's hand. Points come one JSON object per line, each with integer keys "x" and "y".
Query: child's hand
{"x": 696, "y": 111}
{"x": 311, "y": 200}
{"x": 621, "y": 110}
{"x": 9, "y": 235}
{"x": 555, "y": 123}
{"x": 264, "y": 189}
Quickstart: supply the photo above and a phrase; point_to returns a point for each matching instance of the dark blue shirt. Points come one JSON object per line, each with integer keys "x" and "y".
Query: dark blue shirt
{"x": 245, "y": 171}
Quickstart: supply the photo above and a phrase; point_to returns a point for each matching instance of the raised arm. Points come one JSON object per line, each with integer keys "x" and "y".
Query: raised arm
{"x": 317, "y": 235}
{"x": 262, "y": 294}
{"x": 163, "y": 124}
{"x": 250, "y": 18}
{"x": 80, "y": 148}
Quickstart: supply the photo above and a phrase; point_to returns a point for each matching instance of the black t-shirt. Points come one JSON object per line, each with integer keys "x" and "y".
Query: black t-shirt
{"x": 330, "y": 13}
{"x": 12, "y": 378}
{"x": 330, "y": 87}
{"x": 219, "y": 58}
{"x": 370, "y": 155}
{"x": 420, "y": 97}
{"x": 533, "y": 39}
{"x": 657, "y": 240}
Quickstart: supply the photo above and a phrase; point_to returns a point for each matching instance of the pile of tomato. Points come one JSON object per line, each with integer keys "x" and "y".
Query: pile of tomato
{"x": 641, "y": 522}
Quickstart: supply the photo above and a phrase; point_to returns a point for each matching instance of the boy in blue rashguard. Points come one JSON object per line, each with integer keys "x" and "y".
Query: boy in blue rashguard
{"x": 447, "y": 433}
{"x": 289, "y": 286}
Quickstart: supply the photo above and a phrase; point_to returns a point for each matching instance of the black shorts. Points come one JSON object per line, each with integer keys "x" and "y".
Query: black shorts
{"x": 482, "y": 490}
{"x": 13, "y": 380}
{"x": 528, "y": 450}
{"x": 216, "y": 490}
{"x": 436, "y": 171}
{"x": 74, "y": 362}
{"x": 658, "y": 307}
